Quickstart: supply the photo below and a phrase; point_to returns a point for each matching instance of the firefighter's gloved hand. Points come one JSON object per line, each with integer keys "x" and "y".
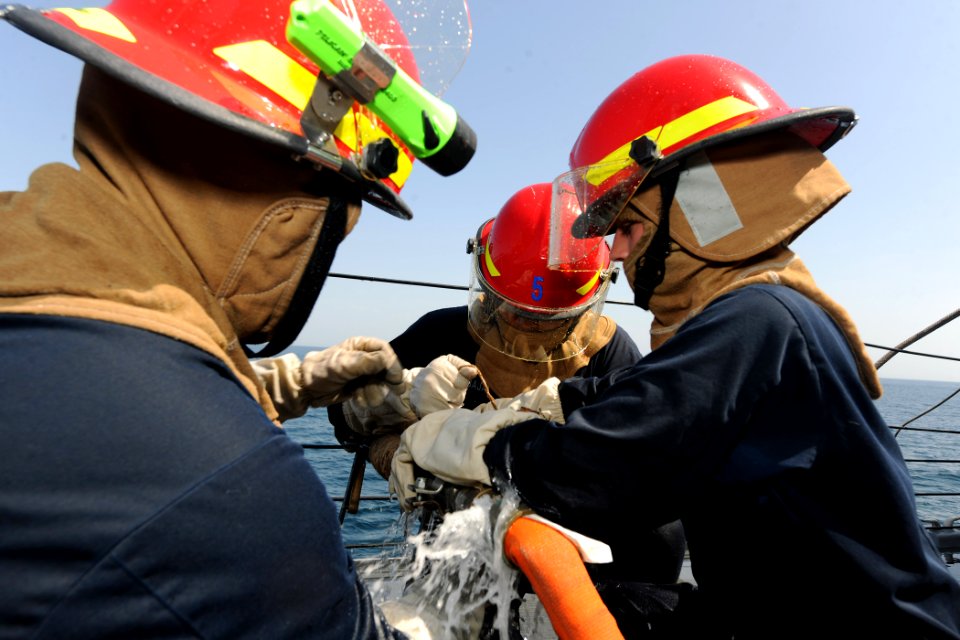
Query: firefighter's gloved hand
{"x": 543, "y": 400}
{"x": 449, "y": 444}
{"x": 281, "y": 378}
{"x": 355, "y": 367}
{"x": 384, "y": 409}
{"x": 442, "y": 384}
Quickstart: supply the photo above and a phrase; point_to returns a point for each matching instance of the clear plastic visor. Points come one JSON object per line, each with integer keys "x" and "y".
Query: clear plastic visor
{"x": 533, "y": 334}
{"x": 586, "y": 201}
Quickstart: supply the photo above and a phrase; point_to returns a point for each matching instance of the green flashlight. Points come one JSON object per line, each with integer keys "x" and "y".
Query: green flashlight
{"x": 355, "y": 66}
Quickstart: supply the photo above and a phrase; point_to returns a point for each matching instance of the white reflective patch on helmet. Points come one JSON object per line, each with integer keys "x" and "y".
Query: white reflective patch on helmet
{"x": 705, "y": 202}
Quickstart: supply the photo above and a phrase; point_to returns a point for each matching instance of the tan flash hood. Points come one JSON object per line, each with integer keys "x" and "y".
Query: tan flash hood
{"x": 738, "y": 201}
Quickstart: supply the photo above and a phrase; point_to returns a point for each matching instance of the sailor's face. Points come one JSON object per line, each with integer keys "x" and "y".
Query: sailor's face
{"x": 527, "y": 323}
{"x": 625, "y": 239}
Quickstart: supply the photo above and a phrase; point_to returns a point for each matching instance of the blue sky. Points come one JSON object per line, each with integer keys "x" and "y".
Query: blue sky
{"x": 536, "y": 71}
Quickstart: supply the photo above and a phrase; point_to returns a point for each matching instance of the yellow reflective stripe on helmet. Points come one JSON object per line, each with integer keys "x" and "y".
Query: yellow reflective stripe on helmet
{"x": 585, "y": 289}
{"x": 489, "y": 261}
{"x": 286, "y": 77}
{"x": 702, "y": 118}
{"x": 100, "y": 21}
{"x": 599, "y": 172}
{"x": 272, "y": 68}
{"x": 677, "y": 130}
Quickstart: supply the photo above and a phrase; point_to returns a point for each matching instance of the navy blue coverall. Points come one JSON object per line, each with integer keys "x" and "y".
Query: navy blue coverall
{"x": 751, "y": 425}
{"x": 145, "y": 494}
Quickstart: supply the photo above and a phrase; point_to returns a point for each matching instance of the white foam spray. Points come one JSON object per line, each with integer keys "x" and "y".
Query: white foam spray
{"x": 448, "y": 576}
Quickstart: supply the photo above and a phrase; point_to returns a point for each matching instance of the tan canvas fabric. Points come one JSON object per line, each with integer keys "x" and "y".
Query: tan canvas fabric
{"x": 777, "y": 184}
{"x": 777, "y": 187}
{"x": 691, "y": 284}
{"x": 171, "y": 224}
{"x": 509, "y": 376}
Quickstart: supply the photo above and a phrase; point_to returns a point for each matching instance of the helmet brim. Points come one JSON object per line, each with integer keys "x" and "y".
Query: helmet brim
{"x": 821, "y": 127}
{"x": 34, "y": 23}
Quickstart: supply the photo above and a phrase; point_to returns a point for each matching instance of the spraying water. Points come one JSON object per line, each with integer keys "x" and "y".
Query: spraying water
{"x": 448, "y": 576}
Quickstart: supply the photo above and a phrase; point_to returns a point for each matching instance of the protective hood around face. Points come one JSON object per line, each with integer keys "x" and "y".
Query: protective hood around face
{"x": 248, "y": 217}
{"x": 738, "y": 201}
{"x": 734, "y": 212}
{"x": 508, "y": 375}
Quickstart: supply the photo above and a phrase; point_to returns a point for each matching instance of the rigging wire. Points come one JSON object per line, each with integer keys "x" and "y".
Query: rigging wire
{"x": 920, "y": 415}
{"x": 419, "y": 283}
{"x": 909, "y": 341}
{"x": 890, "y": 353}
{"x": 895, "y": 350}
{"x": 928, "y": 430}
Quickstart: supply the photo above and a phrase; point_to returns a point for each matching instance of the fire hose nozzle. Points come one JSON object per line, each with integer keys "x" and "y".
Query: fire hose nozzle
{"x": 443, "y": 497}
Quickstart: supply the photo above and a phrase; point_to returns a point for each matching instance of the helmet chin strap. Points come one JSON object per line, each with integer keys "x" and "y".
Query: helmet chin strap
{"x": 314, "y": 275}
{"x": 651, "y": 267}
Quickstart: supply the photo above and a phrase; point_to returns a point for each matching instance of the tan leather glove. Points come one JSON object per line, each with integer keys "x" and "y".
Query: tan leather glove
{"x": 281, "y": 378}
{"x": 543, "y": 400}
{"x": 386, "y": 411}
{"x": 356, "y": 367}
{"x": 442, "y": 384}
{"x": 449, "y": 444}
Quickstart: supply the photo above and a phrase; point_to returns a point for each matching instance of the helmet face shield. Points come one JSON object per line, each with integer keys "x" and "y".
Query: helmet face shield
{"x": 685, "y": 104}
{"x": 518, "y": 304}
{"x": 586, "y": 201}
{"x": 530, "y": 333}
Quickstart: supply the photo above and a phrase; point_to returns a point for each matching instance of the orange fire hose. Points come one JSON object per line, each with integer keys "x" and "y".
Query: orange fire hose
{"x": 553, "y": 566}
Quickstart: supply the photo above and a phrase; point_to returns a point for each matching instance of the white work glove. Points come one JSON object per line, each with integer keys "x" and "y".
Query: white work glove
{"x": 441, "y": 385}
{"x": 281, "y": 378}
{"x": 449, "y": 444}
{"x": 386, "y": 411}
{"x": 354, "y": 367}
{"x": 543, "y": 400}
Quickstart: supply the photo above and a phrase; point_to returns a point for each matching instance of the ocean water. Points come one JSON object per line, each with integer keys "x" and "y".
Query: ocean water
{"x": 928, "y": 455}
{"x": 933, "y": 458}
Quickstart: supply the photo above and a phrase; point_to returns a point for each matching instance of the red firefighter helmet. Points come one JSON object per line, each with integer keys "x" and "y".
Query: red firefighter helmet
{"x": 512, "y": 284}
{"x": 669, "y": 111}
{"x": 229, "y": 61}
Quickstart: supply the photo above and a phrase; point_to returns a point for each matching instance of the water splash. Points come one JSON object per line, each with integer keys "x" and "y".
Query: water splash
{"x": 450, "y": 576}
